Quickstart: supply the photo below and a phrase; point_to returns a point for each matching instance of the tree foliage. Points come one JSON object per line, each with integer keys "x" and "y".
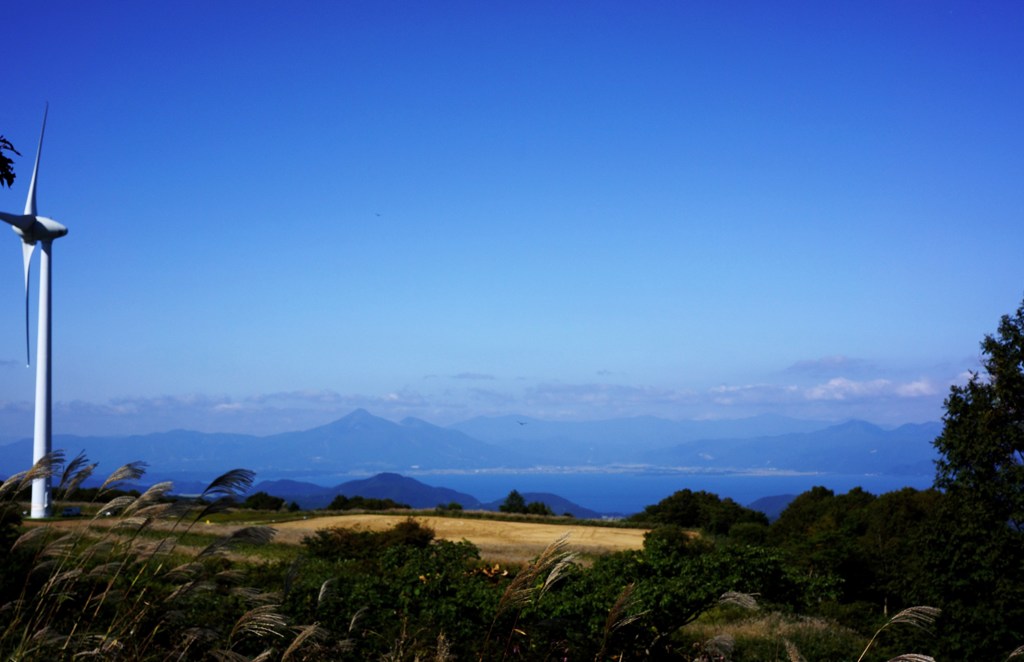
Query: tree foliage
{"x": 342, "y": 502}
{"x": 976, "y": 559}
{"x": 699, "y": 510}
{"x": 342, "y": 543}
{"x": 822, "y": 534}
{"x": 982, "y": 441}
{"x": 898, "y": 530}
{"x": 6, "y": 164}
{"x": 516, "y": 503}
{"x": 263, "y": 501}
{"x": 539, "y": 508}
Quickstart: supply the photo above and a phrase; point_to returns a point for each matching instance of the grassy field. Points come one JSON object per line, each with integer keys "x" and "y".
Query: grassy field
{"x": 498, "y": 541}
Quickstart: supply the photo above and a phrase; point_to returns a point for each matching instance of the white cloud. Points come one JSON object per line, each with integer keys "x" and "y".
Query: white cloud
{"x": 841, "y": 388}
{"x": 753, "y": 394}
{"x": 918, "y": 388}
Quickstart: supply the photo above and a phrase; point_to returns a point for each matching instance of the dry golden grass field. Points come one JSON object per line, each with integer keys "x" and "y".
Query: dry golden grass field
{"x": 498, "y": 541}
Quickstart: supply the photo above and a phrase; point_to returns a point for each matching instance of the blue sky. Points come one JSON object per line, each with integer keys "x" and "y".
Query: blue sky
{"x": 282, "y": 211}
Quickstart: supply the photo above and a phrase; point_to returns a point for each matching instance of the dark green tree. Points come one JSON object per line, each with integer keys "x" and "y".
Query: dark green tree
{"x": 539, "y": 508}
{"x": 820, "y": 532}
{"x": 701, "y": 509}
{"x": 976, "y": 559}
{"x": 514, "y": 503}
{"x": 898, "y": 525}
{"x": 342, "y": 502}
{"x": 6, "y": 164}
{"x": 263, "y": 501}
{"x": 982, "y": 442}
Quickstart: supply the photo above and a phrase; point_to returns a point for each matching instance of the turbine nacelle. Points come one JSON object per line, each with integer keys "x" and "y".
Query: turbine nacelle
{"x": 34, "y": 228}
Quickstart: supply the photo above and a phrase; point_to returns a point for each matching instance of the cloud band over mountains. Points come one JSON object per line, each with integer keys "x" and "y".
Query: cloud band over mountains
{"x": 882, "y": 400}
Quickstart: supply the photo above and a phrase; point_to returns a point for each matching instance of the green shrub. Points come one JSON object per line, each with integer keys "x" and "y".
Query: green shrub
{"x": 701, "y": 510}
{"x": 263, "y": 501}
{"x": 342, "y": 502}
{"x": 343, "y": 543}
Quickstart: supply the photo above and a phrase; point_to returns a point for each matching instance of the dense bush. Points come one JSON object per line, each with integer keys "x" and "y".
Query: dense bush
{"x": 344, "y": 543}
{"x": 699, "y": 510}
{"x": 342, "y": 502}
{"x": 263, "y": 501}
{"x": 515, "y": 503}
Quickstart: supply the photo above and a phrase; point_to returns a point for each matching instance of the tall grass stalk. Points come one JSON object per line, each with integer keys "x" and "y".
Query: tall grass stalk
{"x": 619, "y": 616}
{"x": 529, "y": 585}
{"x": 919, "y": 617}
{"x": 103, "y": 589}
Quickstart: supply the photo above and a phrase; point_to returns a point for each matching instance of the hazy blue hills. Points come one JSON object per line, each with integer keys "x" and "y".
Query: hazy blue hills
{"x": 855, "y": 447}
{"x": 364, "y": 442}
{"x": 359, "y": 442}
{"x": 772, "y": 506}
{"x": 617, "y": 440}
{"x": 403, "y": 489}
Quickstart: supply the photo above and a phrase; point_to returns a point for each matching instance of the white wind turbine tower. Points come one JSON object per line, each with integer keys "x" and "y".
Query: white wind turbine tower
{"x": 34, "y": 229}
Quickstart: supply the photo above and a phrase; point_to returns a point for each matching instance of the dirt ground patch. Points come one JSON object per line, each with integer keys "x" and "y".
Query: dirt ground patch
{"x": 498, "y": 541}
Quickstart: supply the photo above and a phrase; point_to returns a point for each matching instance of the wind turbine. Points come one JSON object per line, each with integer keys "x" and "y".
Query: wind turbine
{"x": 34, "y": 229}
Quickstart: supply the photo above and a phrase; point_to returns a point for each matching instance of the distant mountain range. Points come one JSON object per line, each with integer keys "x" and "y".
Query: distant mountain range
{"x": 617, "y": 441}
{"x": 357, "y": 443}
{"x": 361, "y": 444}
{"x": 857, "y": 447}
{"x": 404, "y": 489}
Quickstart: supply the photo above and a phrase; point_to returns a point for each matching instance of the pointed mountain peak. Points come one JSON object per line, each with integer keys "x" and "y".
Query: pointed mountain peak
{"x": 358, "y": 418}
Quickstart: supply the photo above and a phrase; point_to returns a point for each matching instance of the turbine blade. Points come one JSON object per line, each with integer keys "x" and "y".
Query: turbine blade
{"x": 30, "y": 203}
{"x": 26, "y": 251}
{"x": 21, "y": 222}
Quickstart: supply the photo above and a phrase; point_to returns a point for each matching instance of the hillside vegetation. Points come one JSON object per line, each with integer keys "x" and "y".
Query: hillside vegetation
{"x": 363, "y": 586}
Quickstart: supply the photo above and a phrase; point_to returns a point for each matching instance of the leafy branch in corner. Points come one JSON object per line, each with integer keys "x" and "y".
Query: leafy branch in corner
{"x": 6, "y": 164}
